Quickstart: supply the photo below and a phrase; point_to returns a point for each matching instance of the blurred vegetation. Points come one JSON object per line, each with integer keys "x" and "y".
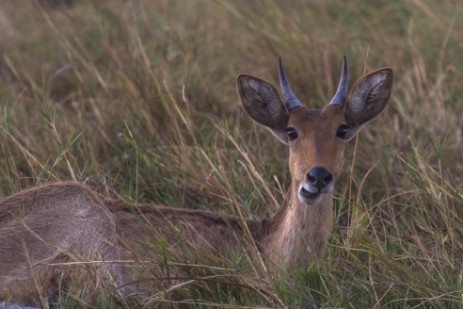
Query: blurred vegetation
{"x": 138, "y": 100}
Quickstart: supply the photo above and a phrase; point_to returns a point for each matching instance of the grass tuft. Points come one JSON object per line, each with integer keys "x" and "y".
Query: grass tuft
{"x": 137, "y": 99}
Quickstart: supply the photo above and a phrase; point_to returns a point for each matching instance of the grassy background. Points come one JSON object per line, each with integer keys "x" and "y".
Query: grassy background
{"x": 138, "y": 100}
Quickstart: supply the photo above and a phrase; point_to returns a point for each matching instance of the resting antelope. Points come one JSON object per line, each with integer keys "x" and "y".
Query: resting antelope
{"x": 62, "y": 222}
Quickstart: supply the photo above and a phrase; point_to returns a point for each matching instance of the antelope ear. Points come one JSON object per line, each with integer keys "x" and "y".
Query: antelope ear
{"x": 368, "y": 98}
{"x": 263, "y": 104}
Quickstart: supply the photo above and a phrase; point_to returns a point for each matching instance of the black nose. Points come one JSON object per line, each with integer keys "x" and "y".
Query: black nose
{"x": 319, "y": 177}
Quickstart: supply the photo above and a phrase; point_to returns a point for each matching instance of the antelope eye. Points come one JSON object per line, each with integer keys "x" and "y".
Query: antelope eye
{"x": 292, "y": 133}
{"x": 341, "y": 132}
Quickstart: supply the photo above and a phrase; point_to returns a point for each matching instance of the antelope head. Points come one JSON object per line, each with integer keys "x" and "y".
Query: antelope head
{"x": 316, "y": 137}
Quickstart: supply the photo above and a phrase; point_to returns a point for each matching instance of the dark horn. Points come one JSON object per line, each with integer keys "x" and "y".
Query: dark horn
{"x": 290, "y": 99}
{"x": 341, "y": 93}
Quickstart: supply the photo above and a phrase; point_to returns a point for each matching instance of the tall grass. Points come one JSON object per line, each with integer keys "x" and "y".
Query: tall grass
{"x": 137, "y": 99}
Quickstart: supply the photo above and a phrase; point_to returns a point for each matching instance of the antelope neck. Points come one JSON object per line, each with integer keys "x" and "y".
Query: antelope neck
{"x": 298, "y": 232}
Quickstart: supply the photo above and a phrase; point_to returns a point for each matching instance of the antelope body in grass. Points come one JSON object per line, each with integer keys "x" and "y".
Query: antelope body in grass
{"x": 64, "y": 222}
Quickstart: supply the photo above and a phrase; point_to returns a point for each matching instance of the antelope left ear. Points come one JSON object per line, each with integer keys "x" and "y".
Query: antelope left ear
{"x": 369, "y": 97}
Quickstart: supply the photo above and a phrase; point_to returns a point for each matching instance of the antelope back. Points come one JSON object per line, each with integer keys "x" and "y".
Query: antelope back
{"x": 316, "y": 137}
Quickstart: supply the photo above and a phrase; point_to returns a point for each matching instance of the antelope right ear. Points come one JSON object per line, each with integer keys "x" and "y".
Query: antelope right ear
{"x": 263, "y": 104}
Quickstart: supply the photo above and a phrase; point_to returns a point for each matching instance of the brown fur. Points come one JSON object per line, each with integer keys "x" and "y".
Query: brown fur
{"x": 200, "y": 233}
{"x": 56, "y": 223}
{"x": 67, "y": 222}
{"x": 299, "y": 232}
{"x": 40, "y": 218}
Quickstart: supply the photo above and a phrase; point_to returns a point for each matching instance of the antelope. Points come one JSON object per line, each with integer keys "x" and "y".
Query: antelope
{"x": 46, "y": 226}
